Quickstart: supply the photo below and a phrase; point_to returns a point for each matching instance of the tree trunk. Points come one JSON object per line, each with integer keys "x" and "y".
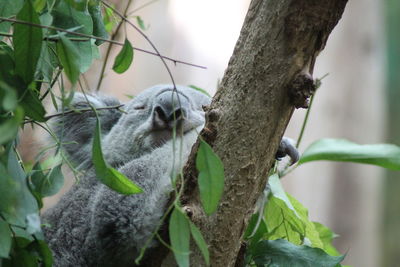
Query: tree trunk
{"x": 268, "y": 74}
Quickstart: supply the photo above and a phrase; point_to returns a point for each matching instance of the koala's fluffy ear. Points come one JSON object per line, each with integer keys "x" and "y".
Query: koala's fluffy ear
{"x": 75, "y": 130}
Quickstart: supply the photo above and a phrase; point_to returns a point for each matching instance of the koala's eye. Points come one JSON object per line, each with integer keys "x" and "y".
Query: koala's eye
{"x": 139, "y": 107}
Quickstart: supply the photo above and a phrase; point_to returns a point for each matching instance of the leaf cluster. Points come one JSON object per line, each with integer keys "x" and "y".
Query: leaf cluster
{"x": 41, "y": 42}
{"x": 281, "y": 234}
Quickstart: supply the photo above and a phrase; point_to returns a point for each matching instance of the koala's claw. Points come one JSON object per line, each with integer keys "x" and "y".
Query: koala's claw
{"x": 287, "y": 148}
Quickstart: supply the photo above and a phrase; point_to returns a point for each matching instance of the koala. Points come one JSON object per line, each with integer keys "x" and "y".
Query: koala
{"x": 93, "y": 225}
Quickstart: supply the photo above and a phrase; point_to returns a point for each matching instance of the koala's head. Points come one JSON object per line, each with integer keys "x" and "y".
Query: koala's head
{"x": 150, "y": 119}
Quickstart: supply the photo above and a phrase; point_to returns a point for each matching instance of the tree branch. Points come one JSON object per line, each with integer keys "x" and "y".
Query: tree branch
{"x": 268, "y": 73}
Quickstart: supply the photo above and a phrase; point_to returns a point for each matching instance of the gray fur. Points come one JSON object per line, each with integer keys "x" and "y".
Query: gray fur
{"x": 94, "y": 226}
{"x": 75, "y": 130}
{"x": 288, "y": 148}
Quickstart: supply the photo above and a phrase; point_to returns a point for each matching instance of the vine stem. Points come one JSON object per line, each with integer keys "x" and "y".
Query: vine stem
{"x": 75, "y": 110}
{"x": 51, "y": 85}
{"x": 303, "y": 126}
{"x": 145, "y": 37}
{"x": 288, "y": 169}
{"x": 318, "y": 83}
{"x": 52, "y": 39}
{"x": 107, "y": 56}
{"x": 142, "y": 6}
{"x": 175, "y": 61}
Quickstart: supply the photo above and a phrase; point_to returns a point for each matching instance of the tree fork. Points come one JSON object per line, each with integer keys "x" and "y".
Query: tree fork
{"x": 277, "y": 48}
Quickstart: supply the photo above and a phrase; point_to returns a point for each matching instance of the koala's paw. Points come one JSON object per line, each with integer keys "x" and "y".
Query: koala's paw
{"x": 287, "y": 148}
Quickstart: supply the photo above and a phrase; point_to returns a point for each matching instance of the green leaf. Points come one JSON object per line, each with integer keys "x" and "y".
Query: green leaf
{"x": 283, "y": 222}
{"x": 278, "y": 191}
{"x": 99, "y": 29}
{"x": 179, "y": 234}
{"x": 33, "y": 107}
{"x": 211, "y": 177}
{"x": 49, "y": 184}
{"x": 21, "y": 232}
{"x": 39, "y": 5}
{"x": 33, "y": 223}
{"x": 9, "y": 8}
{"x": 48, "y": 60}
{"x": 326, "y": 235}
{"x": 45, "y": 253}
{"x": 254, "y": 235}
{"x": 77, "y": 18}
{"x": 80, "y": 5}
{"x": 22, "y": 241}
{"x": 293, "y": 213}
{"x": 69, "y": 57}
{"x": 310, "y": 231}
{"x": 16, "y": 201}
{"x": 46, "y": 19}
{"x": 85, "y": 55}
{"x": 7, "y": 65}
{"x": 95, "y": 52}
{"x": 24, "y": 258}
{"x": 5, "y": 239}
{"x": 201, "y": 243}
{"x": 283, "y": 253}
{"x": 27, "y": 43}
{"x": 201, "y": 90}
{"x": 9, "y": 128}
{"x": 46, "y": 64}
{"x": 140, "y": 22}
{"x": 108, "y": 175}
{"x": 9, "y": 97}
{"x": 108, "y": 19}
{"x": 124, "y": 58}
{"x": 384, "y": 155}
{"x": 26, "y": 206}
{"x": 68, "y": 16}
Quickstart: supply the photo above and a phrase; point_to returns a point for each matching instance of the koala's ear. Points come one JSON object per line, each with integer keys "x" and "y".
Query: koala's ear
{"x": 75, "y": 130}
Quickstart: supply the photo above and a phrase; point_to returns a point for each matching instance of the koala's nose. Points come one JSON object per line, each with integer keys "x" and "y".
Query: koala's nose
{"x": 169, "y": 115}
{"x": 170, "y": 109}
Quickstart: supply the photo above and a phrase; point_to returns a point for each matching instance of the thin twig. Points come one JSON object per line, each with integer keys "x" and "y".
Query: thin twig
{"x": 51, "y": 85}
{"x": 144, "y": 36}
{"x": 51, "y": 39}
{"x": 73, "y": 111}
{"x": 103, "y": 68}
{"x": 175, "y": 61}
{"x": 305, "y": 121}
{"x": 142, "y": 6}
{"x": 303, "y": 126}
{"x": 289, "y": 168}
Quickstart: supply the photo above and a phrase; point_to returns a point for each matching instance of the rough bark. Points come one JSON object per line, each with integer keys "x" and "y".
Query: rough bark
{"x": 268, "y": 74}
